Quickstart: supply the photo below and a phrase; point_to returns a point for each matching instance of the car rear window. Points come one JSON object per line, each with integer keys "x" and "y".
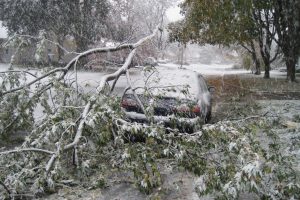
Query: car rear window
{"x": 175, "y": 83}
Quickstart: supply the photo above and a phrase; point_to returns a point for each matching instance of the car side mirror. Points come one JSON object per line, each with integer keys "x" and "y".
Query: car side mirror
{"x": 211, "y": 89}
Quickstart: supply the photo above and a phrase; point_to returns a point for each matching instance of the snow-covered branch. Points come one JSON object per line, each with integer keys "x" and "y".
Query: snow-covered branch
{"x": 28, "y": 150}
{"x": 100, "y": 88}
{"x": 19, "y": 71}
{"x": 86, "y": 53}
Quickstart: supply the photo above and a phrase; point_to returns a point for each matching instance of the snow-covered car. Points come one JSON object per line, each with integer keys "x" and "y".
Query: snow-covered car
{"x": 175, "y": 97}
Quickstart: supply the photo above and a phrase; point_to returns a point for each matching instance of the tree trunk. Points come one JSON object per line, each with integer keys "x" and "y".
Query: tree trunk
{"x": 60, "y": 51}
{"x": 290, "y": 64}
{"x": 267, "y": 70}
{"x": 265, "y": 54}
{"x": 81, "y": 46}
{"x": 255, "y": 59}
{"x": 286, "y": 21}
{"x": 266, "y": 58}
{"x": 257, "y": 63}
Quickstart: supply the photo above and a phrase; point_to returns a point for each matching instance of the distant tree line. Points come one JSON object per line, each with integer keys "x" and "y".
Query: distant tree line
{"x": 244, "y": 23}
{"x": 87, "y": 21}
{"x": 79, "y": 19}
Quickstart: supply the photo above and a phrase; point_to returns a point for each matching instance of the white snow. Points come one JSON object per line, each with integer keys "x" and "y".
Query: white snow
{"x": 168, "y": 82}
{"x": 90, "y": 80}
{"x": 173, "y": 13}
{"x": 3, "y": 31}
{"x": 208, "y": 69}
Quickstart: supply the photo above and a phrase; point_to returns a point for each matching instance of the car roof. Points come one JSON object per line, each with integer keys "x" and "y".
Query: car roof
{"x": 177, "y": 83}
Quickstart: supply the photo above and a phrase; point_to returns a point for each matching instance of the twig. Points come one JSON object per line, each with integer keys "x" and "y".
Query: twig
{"x": 114, "y": 83}
{"x": 50, "y": 163}
{"x": 18, "y": 71}
{"x": 34, "y": 81}
{"x": 250, "y": 117}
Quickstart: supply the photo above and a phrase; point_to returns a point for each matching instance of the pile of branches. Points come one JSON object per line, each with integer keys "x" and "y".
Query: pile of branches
{"x": 83, "y": 134}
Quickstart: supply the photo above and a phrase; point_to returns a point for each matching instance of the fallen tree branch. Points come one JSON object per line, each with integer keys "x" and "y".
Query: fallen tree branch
{"x": 99, "y": 90}
{"x": 84, "y": 54}
{"x": 116, "y": 74}
{"x": 80, "y": 127}
{"x": 28, "y": 149}
{"x": 250, "y": 117}
{"x": 35, "y": 80}
{"x": 88, "y": 107}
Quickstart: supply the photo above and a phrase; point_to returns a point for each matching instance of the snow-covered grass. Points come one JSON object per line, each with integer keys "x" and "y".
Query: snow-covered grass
{"x": 89, "y": 80}
{"x": 211, "y": 69}
{"x": 220, "y": 69}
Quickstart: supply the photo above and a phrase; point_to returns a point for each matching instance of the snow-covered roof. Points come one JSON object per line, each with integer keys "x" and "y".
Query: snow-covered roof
{"x": 3, "y": 31}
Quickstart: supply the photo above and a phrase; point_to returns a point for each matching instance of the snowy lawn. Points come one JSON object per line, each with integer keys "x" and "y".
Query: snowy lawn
{"x": 89, "y": 80}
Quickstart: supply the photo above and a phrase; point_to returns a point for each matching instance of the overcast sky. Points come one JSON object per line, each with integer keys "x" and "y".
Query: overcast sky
{"x": 173, "y": 13}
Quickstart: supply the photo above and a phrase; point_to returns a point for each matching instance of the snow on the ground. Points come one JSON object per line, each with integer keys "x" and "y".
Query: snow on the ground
{"x": 211, "y": 69}
{"x": 3, "y": 31}
{"x": 3, "y": 67}
{"x": 89, "y": 80}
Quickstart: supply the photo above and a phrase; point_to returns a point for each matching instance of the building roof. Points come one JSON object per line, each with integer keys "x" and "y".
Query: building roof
{"x": 3, "y": 31}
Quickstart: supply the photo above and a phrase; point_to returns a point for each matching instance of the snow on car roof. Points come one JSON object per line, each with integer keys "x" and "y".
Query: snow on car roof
{"x": 177, "y": 83}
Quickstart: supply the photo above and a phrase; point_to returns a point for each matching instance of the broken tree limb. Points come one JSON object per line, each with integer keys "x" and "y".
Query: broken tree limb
{"x": 28, "y": 149}
{"x": 80, "y": 127}
{"x": 93, "y": 99}
{"x": 88, "y": 107}
{"x": 116, "y": 74}
{"x": 102, "y": 84}
{"x": 84, "y": 54}
{"x": 35, "y": 80}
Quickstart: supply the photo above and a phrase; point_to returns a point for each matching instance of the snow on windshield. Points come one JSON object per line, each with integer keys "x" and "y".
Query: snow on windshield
{"x": 177, "y": 83}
